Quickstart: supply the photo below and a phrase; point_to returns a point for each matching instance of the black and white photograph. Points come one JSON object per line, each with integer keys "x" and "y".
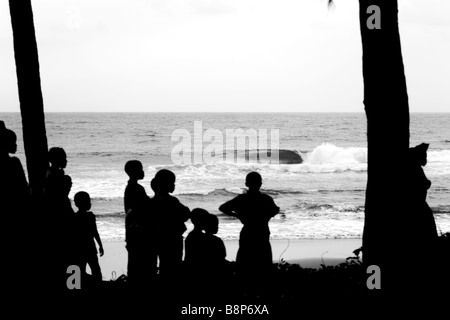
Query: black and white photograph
{"x": 225, "y": 159}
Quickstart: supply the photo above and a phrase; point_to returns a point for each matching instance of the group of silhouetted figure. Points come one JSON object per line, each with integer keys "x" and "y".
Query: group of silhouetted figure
{"x": 77, "y": 231}
{"x": 155, "y": 225}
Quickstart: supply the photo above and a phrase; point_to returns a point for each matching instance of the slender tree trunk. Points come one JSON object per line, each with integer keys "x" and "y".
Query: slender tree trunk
{"x": 30, "y": 95}
{"x": 387, "y": 111}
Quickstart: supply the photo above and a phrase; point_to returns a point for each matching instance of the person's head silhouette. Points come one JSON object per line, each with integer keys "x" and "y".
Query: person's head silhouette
{"x": 253, "y": 181}
{"x": 57, "y": 157}
{"x": 211, "y": 224}
{"x": 163, "y": 182}
{"x": 198, "y": 218}
{"x": 419, "y": 154}
{"x": 134, "y": 170}
{"x": 10, "y": 141}
{"x": 82, "y": 201}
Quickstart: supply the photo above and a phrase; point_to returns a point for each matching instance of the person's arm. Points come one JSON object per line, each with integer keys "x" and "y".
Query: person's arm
{"x": 97, "y": 237}
{"x": 229, "y": 207}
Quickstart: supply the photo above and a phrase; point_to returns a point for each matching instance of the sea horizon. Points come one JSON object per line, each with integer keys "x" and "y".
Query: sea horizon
{"x": 320, "y": 198}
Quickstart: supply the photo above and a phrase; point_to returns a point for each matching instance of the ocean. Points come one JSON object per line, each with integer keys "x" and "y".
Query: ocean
{"x": 320, "y": 198}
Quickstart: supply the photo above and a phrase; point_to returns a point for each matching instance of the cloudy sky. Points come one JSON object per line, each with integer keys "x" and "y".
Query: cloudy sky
{"x": 220, "y": 55}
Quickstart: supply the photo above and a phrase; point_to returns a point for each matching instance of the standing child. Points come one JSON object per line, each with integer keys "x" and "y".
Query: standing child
{"x": 86, "y": 233}
{"x": 135, "y": 196}
{"x": 141, "y": 254}
{"x": 214, "y": 247}
{"x": 58, "y": 161}
{"x": 170, "y": 216}
{"x": 194, "y": 253}
{"x": 254, "y": 209}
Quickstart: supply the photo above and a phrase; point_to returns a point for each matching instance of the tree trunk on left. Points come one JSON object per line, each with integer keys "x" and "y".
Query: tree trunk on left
{"x": 30, "y": 94}
{"x": 29, "y": 251}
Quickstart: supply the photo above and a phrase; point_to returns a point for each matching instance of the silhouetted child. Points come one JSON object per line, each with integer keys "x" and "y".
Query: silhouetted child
{"x": 420, "y": 222}
{"x": 57, "y": 204}
{"x": 17, "y": 226}
{"x": 58, "y": 161}
{"x": 205, "y": 256}
{"x": 254, "y": 209}
{"x": 59, "y": 233}
{"x": 135, "y": 195}
{"x": 141, "y": 255}
{"x": 86, "y": 235}
{"x": 57, "y": 189}
{"x": 194, "y": 253}
{"x": 418, "y": 185}
{"x": 63, "y": 205}
{"x": 215, "y": 248}
{"x": 170, "y": 216}
{"x": 14, "y": 186}
{"x": 135, "y": 202}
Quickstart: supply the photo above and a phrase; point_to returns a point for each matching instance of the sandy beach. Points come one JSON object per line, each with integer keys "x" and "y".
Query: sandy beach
{"x": 307, "y": 253}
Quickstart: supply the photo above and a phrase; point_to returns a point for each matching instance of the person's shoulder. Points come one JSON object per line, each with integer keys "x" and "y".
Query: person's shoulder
{"x": 173, "y": 199}
{"x": 195, "y": 235}
{"x": 191, "y": 235}
{"x": 134, "y": 187}
{"x": 216, "y": 239}
{"x": 139, "y": 186}
{"x": 266, "y": 197}
{"x": 240, "y": 197}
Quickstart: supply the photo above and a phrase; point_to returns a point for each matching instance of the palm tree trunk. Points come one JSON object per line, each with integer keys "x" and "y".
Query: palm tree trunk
{"x": 387, "y": 112}
{"x": 30, "y": 95}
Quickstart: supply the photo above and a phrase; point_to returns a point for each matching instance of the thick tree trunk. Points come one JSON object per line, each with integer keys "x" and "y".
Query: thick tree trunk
{"x": 30, "y": 95}
{"x": 387, "y": 111}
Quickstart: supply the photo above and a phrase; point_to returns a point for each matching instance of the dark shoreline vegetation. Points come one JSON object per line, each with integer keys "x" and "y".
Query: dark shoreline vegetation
{"x": 339, "y": 290}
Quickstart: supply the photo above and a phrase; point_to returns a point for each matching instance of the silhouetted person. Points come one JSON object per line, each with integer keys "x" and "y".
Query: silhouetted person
{"x": 418, "y": 185}
{"x": 58, "y": 161}
{"x": 58, "y": 216}
{"x": 204, "y": 250}
{"x": 254, "y": 209}
{"x": 215, "y": 250}
{"x": 141, "y": 253}
{"x": 170, "y": 216}
{"x": 421, "y": 226}
{"x": 59, "y": 231}
{"x": 14, "y": 185}
{"x": 135, "y": 195}
{"x": 65, "y": 216}
{"x": 16, "y": 231}
{"x": 86, "y": 234}
{"x": 194, "y": 253}
{"x": 205, "y": 256}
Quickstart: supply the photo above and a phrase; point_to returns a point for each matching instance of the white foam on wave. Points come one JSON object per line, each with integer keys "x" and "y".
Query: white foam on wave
{"x": 438, "y": 162}
{"x": 205, "y": 178}
{"x": 328, "y": 153}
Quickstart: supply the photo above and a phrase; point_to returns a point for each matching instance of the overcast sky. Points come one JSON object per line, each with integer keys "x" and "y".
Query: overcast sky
{"x": 220, "y": 55}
